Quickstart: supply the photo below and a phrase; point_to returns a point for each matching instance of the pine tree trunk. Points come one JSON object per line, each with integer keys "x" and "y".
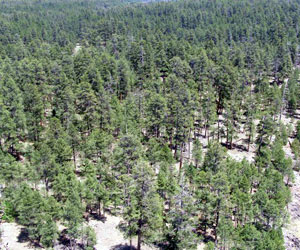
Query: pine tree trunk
{"x": 218, "y": 129}
{"x": 181, "y": 157}
{"x": 139, "y": 241}
{"x": 249, "y": 140}
{"x": 99, "y": 208}
{"x": 236, "y": 217}
{"x": 74, "y": 157}
{"x": 208, "y": 138}
{"x": 189, "y": 146}
{"x": 217, "y": 222}
{"x": 47, "y": 184}
{"x": 227, "y": 137}
{"x": 171, "y": 139}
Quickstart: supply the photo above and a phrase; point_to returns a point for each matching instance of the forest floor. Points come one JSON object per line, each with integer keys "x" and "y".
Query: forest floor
{"x": 107, "y": 233}
{"x": 110, "y": 238}
{"x": 291, "y": 231}
{"x": 12, "y": 237}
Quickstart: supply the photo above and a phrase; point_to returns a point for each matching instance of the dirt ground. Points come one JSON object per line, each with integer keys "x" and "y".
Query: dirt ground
{"x": 10, "y": 240}
{"x": 107, "y": 233}
{"x": 108, "y": 236}
{"x": 291, "y": 231}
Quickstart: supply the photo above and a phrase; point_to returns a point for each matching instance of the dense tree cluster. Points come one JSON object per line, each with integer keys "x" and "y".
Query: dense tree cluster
{"x": 138, "y": 121}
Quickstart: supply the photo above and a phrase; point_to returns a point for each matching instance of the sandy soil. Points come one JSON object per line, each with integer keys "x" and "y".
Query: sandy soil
{"x": 10, "y": 233}
{"x": 110, "y": 238}
{"x": 201, "y": 246}
{"x": 108, "y": 235}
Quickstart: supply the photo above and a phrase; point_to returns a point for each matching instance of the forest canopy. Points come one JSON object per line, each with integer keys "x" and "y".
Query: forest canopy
{"x": 139, "y": 110}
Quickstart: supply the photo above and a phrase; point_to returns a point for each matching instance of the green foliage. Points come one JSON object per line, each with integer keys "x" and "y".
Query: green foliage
{"x": 298, "y": 130}
{"x": 36, "y": 213}
{"x": 295, "y": 146}
{"x": 8, "y": 211}
{"x": 88, "y": 238}
{"x": 137, "y": 121}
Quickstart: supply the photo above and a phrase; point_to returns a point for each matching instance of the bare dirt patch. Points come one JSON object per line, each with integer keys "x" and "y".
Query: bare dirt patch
{"x": 11, "y": 237}
{"x": 109, "y": 236}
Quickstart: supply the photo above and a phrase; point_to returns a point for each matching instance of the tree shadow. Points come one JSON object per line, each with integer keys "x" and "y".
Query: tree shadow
{"x": 96, "y": 216}
{"x": 23, "y": 237}
{"x": 204, "y": 234}
{"x": 122, "y": 247}
{"x": 238, "y": 147}
{"x": 208, "y": 238}
{"x": 65, "y": 241}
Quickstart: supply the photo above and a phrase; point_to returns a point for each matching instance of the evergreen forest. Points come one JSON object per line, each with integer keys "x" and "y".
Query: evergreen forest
{"x": 181, "y": 118}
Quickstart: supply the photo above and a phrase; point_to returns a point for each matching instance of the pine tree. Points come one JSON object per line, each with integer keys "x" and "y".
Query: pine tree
{"x": 143, "y": 209}
{"x": 72, "y": 214}
{"x": 155, "y": 114}
{"x": 87, "y": 106}
{"x": 13, "y": 120}
{"x": 197, "y": 153}
{"x": 180, "y": 228}
{"x": 209, "y": 109}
